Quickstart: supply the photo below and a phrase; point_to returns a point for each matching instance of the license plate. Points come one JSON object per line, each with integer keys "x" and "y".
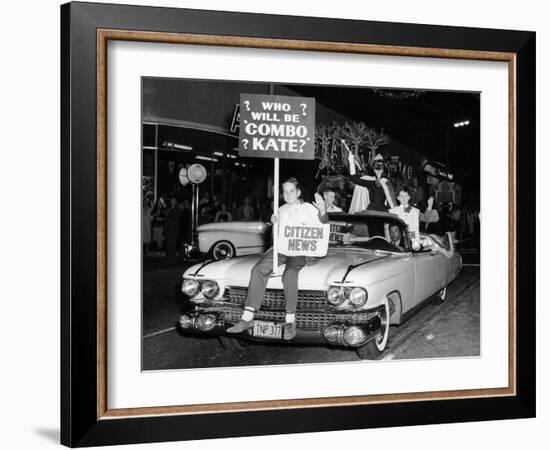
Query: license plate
{"x": 270, "y": 330}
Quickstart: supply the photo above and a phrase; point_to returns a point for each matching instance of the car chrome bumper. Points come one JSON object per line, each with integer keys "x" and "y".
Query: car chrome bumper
{"x": 205, "y": 322}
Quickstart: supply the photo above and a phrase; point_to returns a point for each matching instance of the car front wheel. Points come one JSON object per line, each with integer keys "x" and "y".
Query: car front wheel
{"x": 375, "y": 348}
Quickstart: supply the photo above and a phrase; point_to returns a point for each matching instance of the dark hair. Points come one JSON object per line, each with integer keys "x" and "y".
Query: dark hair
{"x": 295, "y": 182}
{"x": 404, "y": 189}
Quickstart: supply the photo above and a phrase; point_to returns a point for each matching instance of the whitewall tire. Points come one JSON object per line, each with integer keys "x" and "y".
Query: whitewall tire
{"x": 375, "y": 348}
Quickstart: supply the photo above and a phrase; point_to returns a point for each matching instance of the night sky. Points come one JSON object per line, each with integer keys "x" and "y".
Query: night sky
{"x": 418, "y": 119}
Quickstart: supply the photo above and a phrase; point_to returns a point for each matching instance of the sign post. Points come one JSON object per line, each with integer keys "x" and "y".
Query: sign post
{"x": 196, "y": 173}
{"x": 275, "y": 208}
{"x": 275, "y": 203}
{"x": 276, "y": 126}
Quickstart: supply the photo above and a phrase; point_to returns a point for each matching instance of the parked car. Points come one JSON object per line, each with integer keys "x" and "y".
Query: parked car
{"x": 348, "y": 298}
{"x": 222, "y": 240}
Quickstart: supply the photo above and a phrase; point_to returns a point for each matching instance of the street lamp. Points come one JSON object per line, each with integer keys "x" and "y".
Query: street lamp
{"x": 462, "y": 123}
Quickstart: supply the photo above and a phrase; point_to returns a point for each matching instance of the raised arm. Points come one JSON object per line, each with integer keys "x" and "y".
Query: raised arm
{"x": 354, "y": 178}
{"x": 351, "y": 161}
{"x": 321, "y": 208}
{"x": 323, "y": 218}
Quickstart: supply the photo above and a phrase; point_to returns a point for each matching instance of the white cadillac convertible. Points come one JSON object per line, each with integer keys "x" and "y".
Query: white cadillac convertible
{"x": 370, "y": 279}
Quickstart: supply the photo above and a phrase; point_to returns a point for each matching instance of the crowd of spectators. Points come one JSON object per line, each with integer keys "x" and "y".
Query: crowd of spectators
{"x": 213, "y": 210}
{"x": 166, "y": 224}
{"x": 442, "y": 217}
{"x": 167, "y": 221}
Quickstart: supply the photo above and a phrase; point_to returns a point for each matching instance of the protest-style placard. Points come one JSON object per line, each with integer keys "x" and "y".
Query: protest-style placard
{"x": 297, "y": 239}
{"x": 339, "y": 233}
{"x": 277, "y": 126}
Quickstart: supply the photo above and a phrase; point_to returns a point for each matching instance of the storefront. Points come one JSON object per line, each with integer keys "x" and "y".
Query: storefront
{"x": 176, "y": 135}
{"x": 197, "y": 121}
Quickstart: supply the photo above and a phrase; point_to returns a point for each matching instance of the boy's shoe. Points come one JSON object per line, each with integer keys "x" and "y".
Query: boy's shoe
{"x": 240, "y": 326}
{"x": 289, "y": 331}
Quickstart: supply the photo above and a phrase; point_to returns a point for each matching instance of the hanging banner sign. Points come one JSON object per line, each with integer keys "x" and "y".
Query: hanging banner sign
{"x": 437, "y": 171}
{"x": 303, "y": 240}
{"x": 277, "y": 126}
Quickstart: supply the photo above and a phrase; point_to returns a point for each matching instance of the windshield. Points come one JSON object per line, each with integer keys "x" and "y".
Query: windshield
{"x": 374, "y": 233}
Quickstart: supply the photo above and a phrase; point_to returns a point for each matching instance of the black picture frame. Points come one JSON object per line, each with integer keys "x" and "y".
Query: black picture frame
{"x": 81, "y": 424}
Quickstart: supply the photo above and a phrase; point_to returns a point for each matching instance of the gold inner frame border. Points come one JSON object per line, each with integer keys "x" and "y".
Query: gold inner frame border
{"x": 105, "y": 35}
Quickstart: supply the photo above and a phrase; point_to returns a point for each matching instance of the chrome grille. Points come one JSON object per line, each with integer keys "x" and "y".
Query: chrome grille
{"x": 274, "y": 299}
{"x": 304, "y": 320}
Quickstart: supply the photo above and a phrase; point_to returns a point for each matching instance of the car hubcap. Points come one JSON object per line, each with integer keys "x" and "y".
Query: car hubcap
{"x": 223, "y": 251}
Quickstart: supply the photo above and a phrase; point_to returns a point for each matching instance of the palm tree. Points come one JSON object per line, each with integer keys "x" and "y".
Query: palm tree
{"x": 326, "y": 137}
{"x": 373, "y": 140}
{"x": 355, "y": 133}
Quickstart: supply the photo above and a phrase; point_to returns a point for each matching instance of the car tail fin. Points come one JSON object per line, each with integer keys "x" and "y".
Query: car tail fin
{"x": 449, "y": 241}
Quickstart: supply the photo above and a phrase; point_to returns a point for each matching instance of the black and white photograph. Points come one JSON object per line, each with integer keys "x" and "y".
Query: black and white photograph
{"x": 275, "y": 224}
{"x": 301, "y": 224}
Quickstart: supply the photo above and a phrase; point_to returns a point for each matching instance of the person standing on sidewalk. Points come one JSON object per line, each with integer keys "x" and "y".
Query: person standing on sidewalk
{"x": 303, "y": 212}
{"x": 429, "y": 218}
{"x": 171, "y": 230}
{"x": 147, "y": 218}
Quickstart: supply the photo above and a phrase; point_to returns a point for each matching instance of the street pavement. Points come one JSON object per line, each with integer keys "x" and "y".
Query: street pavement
{"x": 448, "y": 329}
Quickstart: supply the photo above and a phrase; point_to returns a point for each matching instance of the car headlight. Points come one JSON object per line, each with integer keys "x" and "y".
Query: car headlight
{"x": 333, "y": 333}
{"x": 210, "y": 289}
{"x": 186, "y": 321}
{"x": 335, "y": 296}
{"x": 354, "y": 336}
{"x": 190, "y": 287}
{"x": 205, "y": 322}
{"x": 358, "y": 296}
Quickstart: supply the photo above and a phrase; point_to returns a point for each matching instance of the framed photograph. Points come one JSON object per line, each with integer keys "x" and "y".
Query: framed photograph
{"x": 279, "y": 224}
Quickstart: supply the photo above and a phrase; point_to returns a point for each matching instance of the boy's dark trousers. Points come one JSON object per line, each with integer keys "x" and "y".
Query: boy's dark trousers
{"x": 260, "y": 276}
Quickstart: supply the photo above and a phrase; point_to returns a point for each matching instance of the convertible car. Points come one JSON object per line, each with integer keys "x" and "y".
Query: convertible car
{"x": 222, "y": 240}
{"x": 371, "y": 278}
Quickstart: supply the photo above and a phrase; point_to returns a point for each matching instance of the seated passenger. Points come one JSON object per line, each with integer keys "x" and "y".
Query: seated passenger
{"x": 396, "y": 237}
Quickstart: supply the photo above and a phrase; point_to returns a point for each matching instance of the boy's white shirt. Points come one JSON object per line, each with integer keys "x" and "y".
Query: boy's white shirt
{"x": 304, "y": 213}
{"x": 333, "y": 208}
{"x": 411, "y": 218}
